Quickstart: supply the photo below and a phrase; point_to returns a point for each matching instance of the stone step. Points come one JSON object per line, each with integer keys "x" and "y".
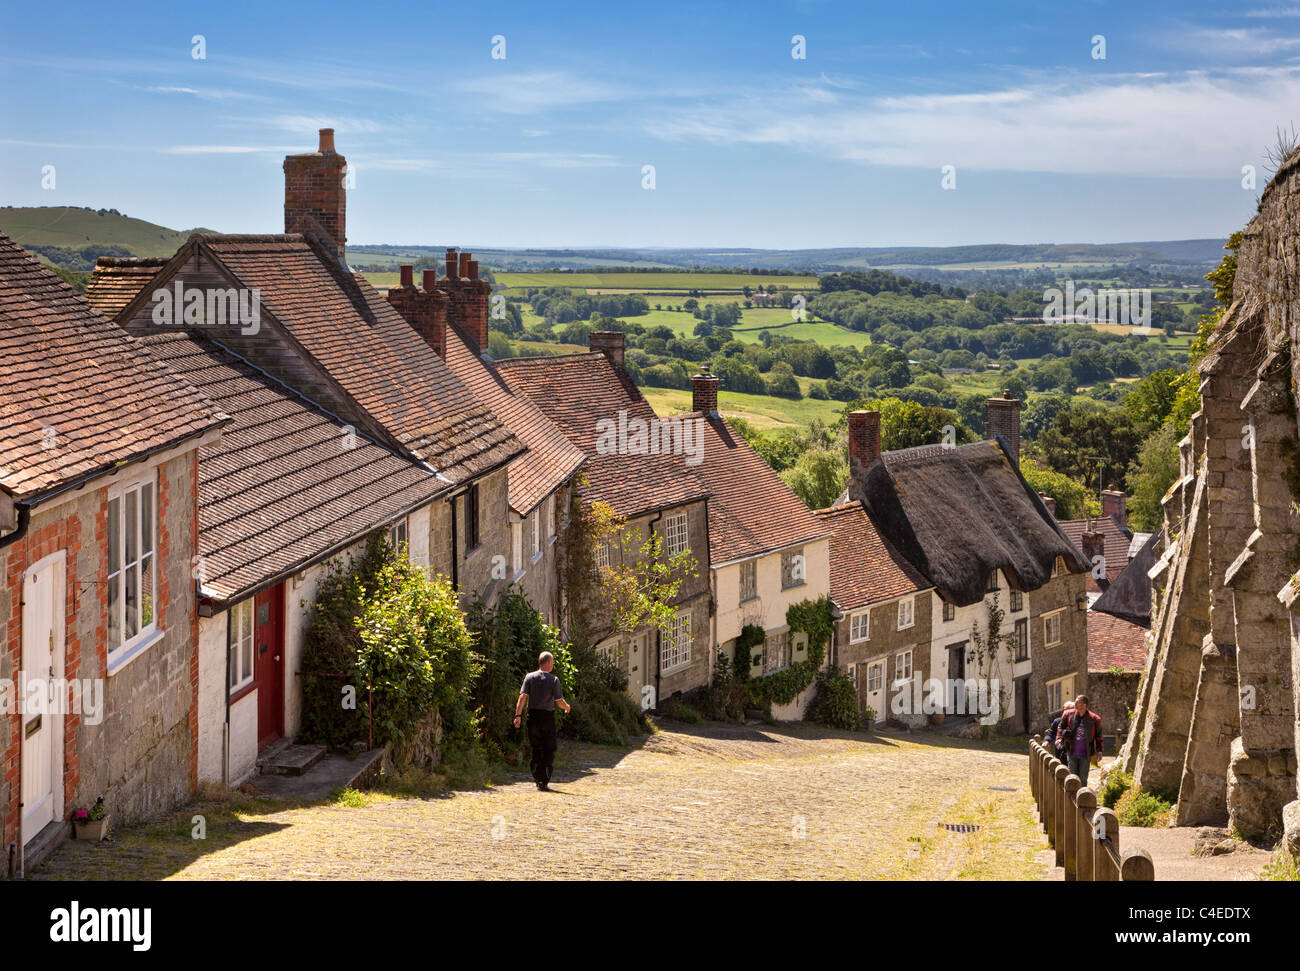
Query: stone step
{"x": 292, "y": 760}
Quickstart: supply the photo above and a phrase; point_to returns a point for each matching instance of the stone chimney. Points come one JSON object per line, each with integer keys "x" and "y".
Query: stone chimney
{"x": 1115, "y": 503}
{"x": 1002, "y": 417}
{"x": 425, "y": 310}
{"x": 864, "y": 448}
{"x": 314, "y": 198}
{"x": 609, "y": 342}
{"x": 1049, "y": 502}
{"x": 468, "y": 297}
{"x": 704, "y": 392}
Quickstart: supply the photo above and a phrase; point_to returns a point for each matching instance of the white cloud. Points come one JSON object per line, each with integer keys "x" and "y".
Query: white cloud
{"x": 1194, "y": 124}
{"x": 539, "y": 91}
{"x": 227, "y": 149}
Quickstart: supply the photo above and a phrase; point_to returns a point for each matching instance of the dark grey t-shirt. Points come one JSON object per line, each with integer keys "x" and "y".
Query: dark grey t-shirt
{"x": 543, "y": 690}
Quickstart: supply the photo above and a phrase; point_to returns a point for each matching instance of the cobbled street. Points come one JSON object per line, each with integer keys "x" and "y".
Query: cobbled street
{"x": 691, "y": 802}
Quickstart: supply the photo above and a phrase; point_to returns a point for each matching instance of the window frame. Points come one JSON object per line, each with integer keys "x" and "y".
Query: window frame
{"x": 992, "y": 585}
{"x": 949, "y": 611}
{"x": 749, "y": 567}
{"x": 146, "y": 587}
{"x": 860, "y": 615}
{"x": 403, "y": 527}
{"x": 899, "y": 676}
{"x": 1017, "y": 601}
{"x": 1022, "y": 639}
{"x": 911, "y": 617}
{"x": 675, "y": 655}
{"x": 791, "y": 554}
{"x": 473, "y": 535}
{"x": 1057, "y": 615}
{"x": 876, "y": 675}
{"x": 1058, "y": 684}
{"x": 234, "y": 659}
{"x": 674, "y": 523}
{"x": 777, "y": 651}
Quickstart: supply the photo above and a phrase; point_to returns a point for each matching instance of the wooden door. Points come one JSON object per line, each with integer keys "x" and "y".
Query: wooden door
{"x": 637, "y": 663}
{"x": 268, "y": 636}
{"x": 42, "y": 741}
{"x": 1022, "y": 703}
{"x": 955, "y": 696}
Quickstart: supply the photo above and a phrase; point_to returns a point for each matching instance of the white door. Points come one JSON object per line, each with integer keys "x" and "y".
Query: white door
{"x": 638, "y": 662}
{"x": 42, "y": 727}
{"x": 876, "y": 689}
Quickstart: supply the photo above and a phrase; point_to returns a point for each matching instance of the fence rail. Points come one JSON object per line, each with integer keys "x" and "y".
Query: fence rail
{"x": 1085, "y": 837}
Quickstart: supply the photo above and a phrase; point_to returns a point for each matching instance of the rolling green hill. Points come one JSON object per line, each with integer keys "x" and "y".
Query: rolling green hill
{"x": 74, "y": 227}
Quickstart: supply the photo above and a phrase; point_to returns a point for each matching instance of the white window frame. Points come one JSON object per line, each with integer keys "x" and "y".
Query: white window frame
{"x": 677, "y": 533}
{"x": 748, "y": 591}
{"x": 860, "y": 626}
{"x": 1057, "y": 687}
{"x": 675, "y": 643}
{"x": 240, "y": 658}
{"x": 875, "y": 675}
{"x": 120, "y": 494}
{"x": 536, "y": 548}
{"x": 776, "y": 651}
{"x": 399, "y": 536}
{"x": 910, "y": 603}
{"x": 517, "y": 547}
{"x": 1058, "y": 616}
{"x": 1058, "y": 567}
{"x": 551, "y": 535}
{"x": 899, "y": 673}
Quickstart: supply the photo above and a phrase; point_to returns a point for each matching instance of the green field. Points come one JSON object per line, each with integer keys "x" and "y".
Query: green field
{"x": 764, "y": 411}
{"x": 75, "y": 228}
{"x": 655, "y": 281}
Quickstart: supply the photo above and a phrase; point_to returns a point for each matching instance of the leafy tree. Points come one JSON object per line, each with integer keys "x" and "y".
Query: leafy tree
{"x": 1069, "y": 495}
{"x": 818, "y": 477}
{"x": 1157, "y": 468}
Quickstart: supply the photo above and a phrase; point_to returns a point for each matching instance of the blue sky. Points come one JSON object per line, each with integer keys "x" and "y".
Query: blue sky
{"x": 751, "y": 147}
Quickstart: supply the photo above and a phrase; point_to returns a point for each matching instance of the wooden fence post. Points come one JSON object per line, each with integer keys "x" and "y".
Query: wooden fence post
{"x": 1107, "y": 859}
{"x": 1085, "y": 845}
{"x": 1059, "y": 814}
{"x": 1137, "y": 865}
{"x": 1072, "y": 783}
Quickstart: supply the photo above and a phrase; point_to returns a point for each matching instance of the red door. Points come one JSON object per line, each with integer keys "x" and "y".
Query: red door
{"x": 268, "y": 635}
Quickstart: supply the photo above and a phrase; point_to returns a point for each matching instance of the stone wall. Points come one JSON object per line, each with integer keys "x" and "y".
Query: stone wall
{"x": 1217, "y": 714}
{"x": 1113, "y": 696}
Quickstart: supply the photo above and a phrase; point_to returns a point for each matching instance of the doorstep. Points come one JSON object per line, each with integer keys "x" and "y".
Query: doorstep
{"x": 328, "y": 772}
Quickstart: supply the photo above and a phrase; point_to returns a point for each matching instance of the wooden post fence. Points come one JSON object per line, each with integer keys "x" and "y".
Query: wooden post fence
{"x": 1084, "y": 836}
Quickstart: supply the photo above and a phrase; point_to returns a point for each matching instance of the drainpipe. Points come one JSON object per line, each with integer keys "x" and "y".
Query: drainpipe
{"x": 24, "y": 520}
{"x": 225, "y": 728}
{"x": 455, "y": 556}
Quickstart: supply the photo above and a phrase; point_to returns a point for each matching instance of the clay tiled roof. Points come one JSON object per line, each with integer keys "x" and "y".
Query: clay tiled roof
{"x": 117, "y": 280}
{"x": 865, "y": 569}
{"x": 1116, "y": 539}
{"x": 1112, "y": 641}
{"x": 551, "y": 458}
{"x": 79, "y": 396}
{"x": 352, "y": 333}
{"x": 576, "y": 391}
{"x": 286, "y": 484}
{"x": 752, "y": 510}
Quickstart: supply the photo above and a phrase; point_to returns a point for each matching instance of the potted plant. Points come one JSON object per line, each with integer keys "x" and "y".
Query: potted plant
{"x": 91, "y": 823}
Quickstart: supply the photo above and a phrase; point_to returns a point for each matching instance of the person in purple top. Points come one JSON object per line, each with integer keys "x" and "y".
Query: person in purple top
{"x": 1080, "y": 736}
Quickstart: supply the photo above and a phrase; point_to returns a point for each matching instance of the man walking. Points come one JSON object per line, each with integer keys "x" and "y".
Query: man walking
{"x": 541, "y": 691}
{"x": 1080, "y": 736}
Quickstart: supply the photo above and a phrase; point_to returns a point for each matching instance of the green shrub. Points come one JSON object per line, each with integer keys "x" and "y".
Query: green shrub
{"x": 1281, "y": 866}
{"x": 1113, "y": 787}
{"x": 682, "y": 712}
{"x": 836, "y": 702}
{"x": 1138, "y": 808}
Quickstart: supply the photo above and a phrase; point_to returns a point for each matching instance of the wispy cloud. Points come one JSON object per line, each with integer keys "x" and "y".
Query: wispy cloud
{"x": 1148, "y": 125}
{"x": 539, "y": 91}
{"x": 227, "y": 149}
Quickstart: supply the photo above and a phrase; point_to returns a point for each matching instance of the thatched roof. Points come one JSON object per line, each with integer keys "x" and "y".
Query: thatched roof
{"x": 1129, "y": 596}
{"x": 957, "y": 513}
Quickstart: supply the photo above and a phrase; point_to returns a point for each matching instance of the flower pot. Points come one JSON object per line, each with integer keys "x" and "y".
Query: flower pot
{"x": 936, "y": 718}
{"x": 94, "y": 830}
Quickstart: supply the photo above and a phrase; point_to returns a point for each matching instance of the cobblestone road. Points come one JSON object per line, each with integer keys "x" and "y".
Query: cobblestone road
{"x": 712, "y": 802}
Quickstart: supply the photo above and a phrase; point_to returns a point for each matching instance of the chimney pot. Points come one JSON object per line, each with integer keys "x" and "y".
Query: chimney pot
{"x": 451, "y": 262}
{"x": 315, "y": 200}
{"x": 1115, "y": 504}
{"x": 1049, "y": 502}
{"x": 408, "y": 276}
{"x": 704, "y": 392}
{"x": 430, "y": 280}
{"x": 327, "y": 141}
{"x": 464, "y": 266}
{"x": 473, "y": 269}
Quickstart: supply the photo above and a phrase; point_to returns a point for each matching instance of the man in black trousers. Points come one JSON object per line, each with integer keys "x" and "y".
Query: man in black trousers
{"x": 541, "y": 691}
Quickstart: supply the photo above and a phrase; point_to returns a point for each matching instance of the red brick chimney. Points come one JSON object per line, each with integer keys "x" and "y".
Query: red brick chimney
{"x": 1093, "y": 542}
{"x": 1049, "y": 502}
{"x": 864, "y": 448}
{"x": 425, "y": 310}
{"x": 608, "y": 342}
{"x": 314, "y": 198}
{"x": 468, "y": 297}
{"x": 704, "y": 391}
{"x": 1002, "y": 417}
{"x": 1115, "y": 503}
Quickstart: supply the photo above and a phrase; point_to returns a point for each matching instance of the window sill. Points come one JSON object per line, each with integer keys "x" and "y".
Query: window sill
{"x": 125, "y": 655}
{"x": 519, "y": 575}
{"x": 675, "y": 668}
{"x": 908, "y": 626}
{"x": 745, "y": 600}
{"x": 536, "y": 556}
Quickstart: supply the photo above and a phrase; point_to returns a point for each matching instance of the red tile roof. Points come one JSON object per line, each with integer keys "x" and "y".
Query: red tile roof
{"x": 116, "y": 281}
{"x": 1112, "y": 642}
{"x": 68, "y": 372}
{"x": 577, "y": 391}
{"x": 551, "y": 458}
{"x": 751, "y": 511}
{"x": 865, "y": 569}
{"x": 351, "y": 332}
{"x": 1116, "y": 546}
{"x": 286, "y": 484}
